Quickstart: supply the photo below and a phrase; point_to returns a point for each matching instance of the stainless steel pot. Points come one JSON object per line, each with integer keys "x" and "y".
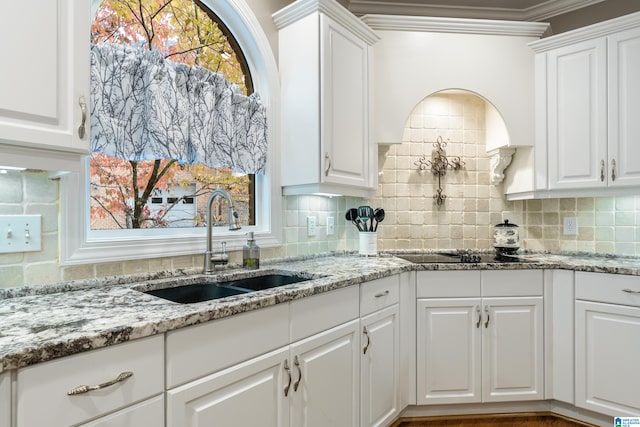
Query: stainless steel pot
{"x": 506, "y": 238}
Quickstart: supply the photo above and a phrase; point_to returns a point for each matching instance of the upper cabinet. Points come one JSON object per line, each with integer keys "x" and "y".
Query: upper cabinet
{"x": 44, "y": 90}
{"x": 324, "y": 60}
{"x": 588, "y": 99}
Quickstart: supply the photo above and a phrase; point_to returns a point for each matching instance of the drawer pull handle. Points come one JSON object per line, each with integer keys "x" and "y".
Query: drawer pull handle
{"x": 382, "y": 294}
{"x": 613, "y": 169}
{"x": 288, "y": 386}
{"x": 366, "y": 334}
{"x": 83, "y": 108}
{"x": 630, "y": 291}
{"x": 479, "y": 317}
{"x": 297, "y": 383}
{"x": 86, "y": 388}
{"x": 602, "y": 170}
{"x": 328, "y": 163}
{"x": 486, "y": 310}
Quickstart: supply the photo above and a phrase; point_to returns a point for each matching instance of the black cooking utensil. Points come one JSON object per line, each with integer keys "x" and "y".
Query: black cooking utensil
{"x": 352, "y": 215}
{"x": 378, "y": 216}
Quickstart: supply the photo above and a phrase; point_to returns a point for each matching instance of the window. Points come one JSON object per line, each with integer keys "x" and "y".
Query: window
{"x": 181, "y": 233}
{"x": 122, "y": 191}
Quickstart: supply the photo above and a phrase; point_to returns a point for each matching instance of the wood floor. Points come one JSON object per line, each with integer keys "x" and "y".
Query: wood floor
{"x": 506, "y": 420}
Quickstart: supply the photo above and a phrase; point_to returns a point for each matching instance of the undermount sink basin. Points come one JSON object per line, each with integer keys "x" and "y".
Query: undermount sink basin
{"x": 206, "y": 291}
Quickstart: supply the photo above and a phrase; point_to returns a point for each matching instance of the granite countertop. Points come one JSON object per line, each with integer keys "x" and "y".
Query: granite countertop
{"x": 43, "y": 323}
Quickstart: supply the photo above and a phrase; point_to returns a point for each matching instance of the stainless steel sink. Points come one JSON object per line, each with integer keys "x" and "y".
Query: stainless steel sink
{"x": 206, "y": 291}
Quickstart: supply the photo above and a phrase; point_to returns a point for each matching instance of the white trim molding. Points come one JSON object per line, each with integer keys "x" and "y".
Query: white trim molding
{"x": 537, "y": 12}
{"x": 455, "y": 25}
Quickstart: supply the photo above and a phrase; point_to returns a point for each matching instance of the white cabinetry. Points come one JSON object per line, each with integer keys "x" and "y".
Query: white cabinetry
{"x": 232, "y": 377}
{"x": 608, "y": 343}
{"x": 44, "y": 77}
{"x": 5, "y": 399}
{"x": 324, "y": 62}
{"x": 586, "y": 128}
{"x": 326, "y": 372}
{"x": 480, "y": 337}
{"x": 380, "y": 352}
{"x": 42, "y": 390}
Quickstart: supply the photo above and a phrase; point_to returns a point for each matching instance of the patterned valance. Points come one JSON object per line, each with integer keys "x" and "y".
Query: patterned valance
{"x": 145, "y": 107}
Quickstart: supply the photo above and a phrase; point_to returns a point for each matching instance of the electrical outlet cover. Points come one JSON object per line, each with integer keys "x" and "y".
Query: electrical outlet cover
{"x": 570, "y": 226}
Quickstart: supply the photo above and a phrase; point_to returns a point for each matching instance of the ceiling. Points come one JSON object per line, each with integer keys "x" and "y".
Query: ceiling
{"x": 516, "y": 10}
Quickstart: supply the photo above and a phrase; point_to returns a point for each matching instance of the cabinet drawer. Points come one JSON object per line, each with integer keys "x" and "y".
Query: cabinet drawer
{"x": 512, "y": 283}
{"x": 321, "y": 312}
{"x": 448, "y": 284}
{"x": 147, "y": 413}
{"x": 200, "y": 350}
{"x": 609, "y": 288}
{"x": 378, "y": 294}
{"x": 42, "y": 389}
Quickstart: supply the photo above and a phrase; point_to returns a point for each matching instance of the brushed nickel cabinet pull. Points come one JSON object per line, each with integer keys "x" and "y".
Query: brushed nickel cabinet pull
{"x": 86, "y": 388}
{"x": 297, "y": 383}
{"x": 288, "y": 386}
{"x": 328, "y": 162}
{"x": 382, "y": 294}
{"x": 613, "y": 169}
{"x": 602, "y": 170}
{"x": 630, "y": 291}
{"x": 366, "y": 334}
{"x": 486, "y": 310}
{"x": 479, "y": 317}
{"x": 83, "y": 109}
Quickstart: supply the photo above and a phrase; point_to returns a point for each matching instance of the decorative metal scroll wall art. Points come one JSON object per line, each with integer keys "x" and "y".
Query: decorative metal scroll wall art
{"x": 439, "y": 164}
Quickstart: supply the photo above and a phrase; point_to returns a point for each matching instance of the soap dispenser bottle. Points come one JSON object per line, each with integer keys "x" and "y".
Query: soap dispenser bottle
{"x": 251, "y": 254}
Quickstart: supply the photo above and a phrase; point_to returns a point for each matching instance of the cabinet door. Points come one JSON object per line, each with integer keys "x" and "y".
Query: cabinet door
{"x": 512, "y": 349}
{"x": 624, "y": 108}
{"x": 607, "y": 349}
{"x": 5, "y": 399}
{"x": 345, "y": 147}
{"x": 380, "y": 367}
{"x": 248, "y": 394}
{"x": 448, "y": 351}
{"x": 326, "y": 375}
{"x": 45, "y": 74}
{"x": 577, "y": 115}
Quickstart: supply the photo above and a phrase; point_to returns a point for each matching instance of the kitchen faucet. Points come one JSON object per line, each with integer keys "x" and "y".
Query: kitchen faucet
{"x": 211, "y": 259}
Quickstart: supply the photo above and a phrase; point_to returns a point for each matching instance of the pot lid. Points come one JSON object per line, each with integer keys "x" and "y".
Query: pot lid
{"x": 506, "y": 224}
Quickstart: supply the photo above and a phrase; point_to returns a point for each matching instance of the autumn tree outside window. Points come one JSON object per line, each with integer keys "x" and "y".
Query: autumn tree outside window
{"x": 127, "y": 194}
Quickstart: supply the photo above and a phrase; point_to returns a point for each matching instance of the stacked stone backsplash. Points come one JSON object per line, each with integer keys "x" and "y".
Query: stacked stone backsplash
{"x": 413, "y": 221}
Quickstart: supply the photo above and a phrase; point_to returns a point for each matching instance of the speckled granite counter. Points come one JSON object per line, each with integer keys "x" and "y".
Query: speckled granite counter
{"x": 43, "y": 323}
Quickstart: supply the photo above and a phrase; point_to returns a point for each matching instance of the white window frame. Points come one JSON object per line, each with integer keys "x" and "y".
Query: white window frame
{"x": 80, "y": 245}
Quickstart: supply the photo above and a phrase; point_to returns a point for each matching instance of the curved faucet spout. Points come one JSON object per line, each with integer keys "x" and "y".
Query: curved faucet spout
{"x": 234, "y": 224}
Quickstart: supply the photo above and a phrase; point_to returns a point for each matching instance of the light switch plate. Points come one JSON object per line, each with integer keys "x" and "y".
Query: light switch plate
{"x": 20, "y": 233}
{"x": 312, "y": 229}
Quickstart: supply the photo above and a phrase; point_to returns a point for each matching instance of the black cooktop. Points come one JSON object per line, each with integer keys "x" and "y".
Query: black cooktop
{"x": 471, "y": 258}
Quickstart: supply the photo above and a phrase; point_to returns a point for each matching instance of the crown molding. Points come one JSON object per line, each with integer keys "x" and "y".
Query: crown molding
{"x": 302, "y": 8}
{"x": 539, "y": 12}
{"x": 455, "y": 25}
{"x": 600, "y": 29}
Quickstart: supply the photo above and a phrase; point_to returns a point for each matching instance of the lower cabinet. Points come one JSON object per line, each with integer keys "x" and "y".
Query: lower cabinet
{"x": 474, "y": 346}
{"x": 380, "y": 367}
{"x": 129, "y": 378}
{"x": 608, "y": 343}
{"x": 313, "y": 382}
{"x": 5, "y": 399}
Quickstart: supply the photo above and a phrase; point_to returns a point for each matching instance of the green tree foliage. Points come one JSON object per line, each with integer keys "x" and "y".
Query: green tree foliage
{"x": 185, "y": 32}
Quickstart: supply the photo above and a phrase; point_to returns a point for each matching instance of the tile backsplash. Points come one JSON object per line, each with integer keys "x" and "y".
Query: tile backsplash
{"x": 413, "y": 220}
